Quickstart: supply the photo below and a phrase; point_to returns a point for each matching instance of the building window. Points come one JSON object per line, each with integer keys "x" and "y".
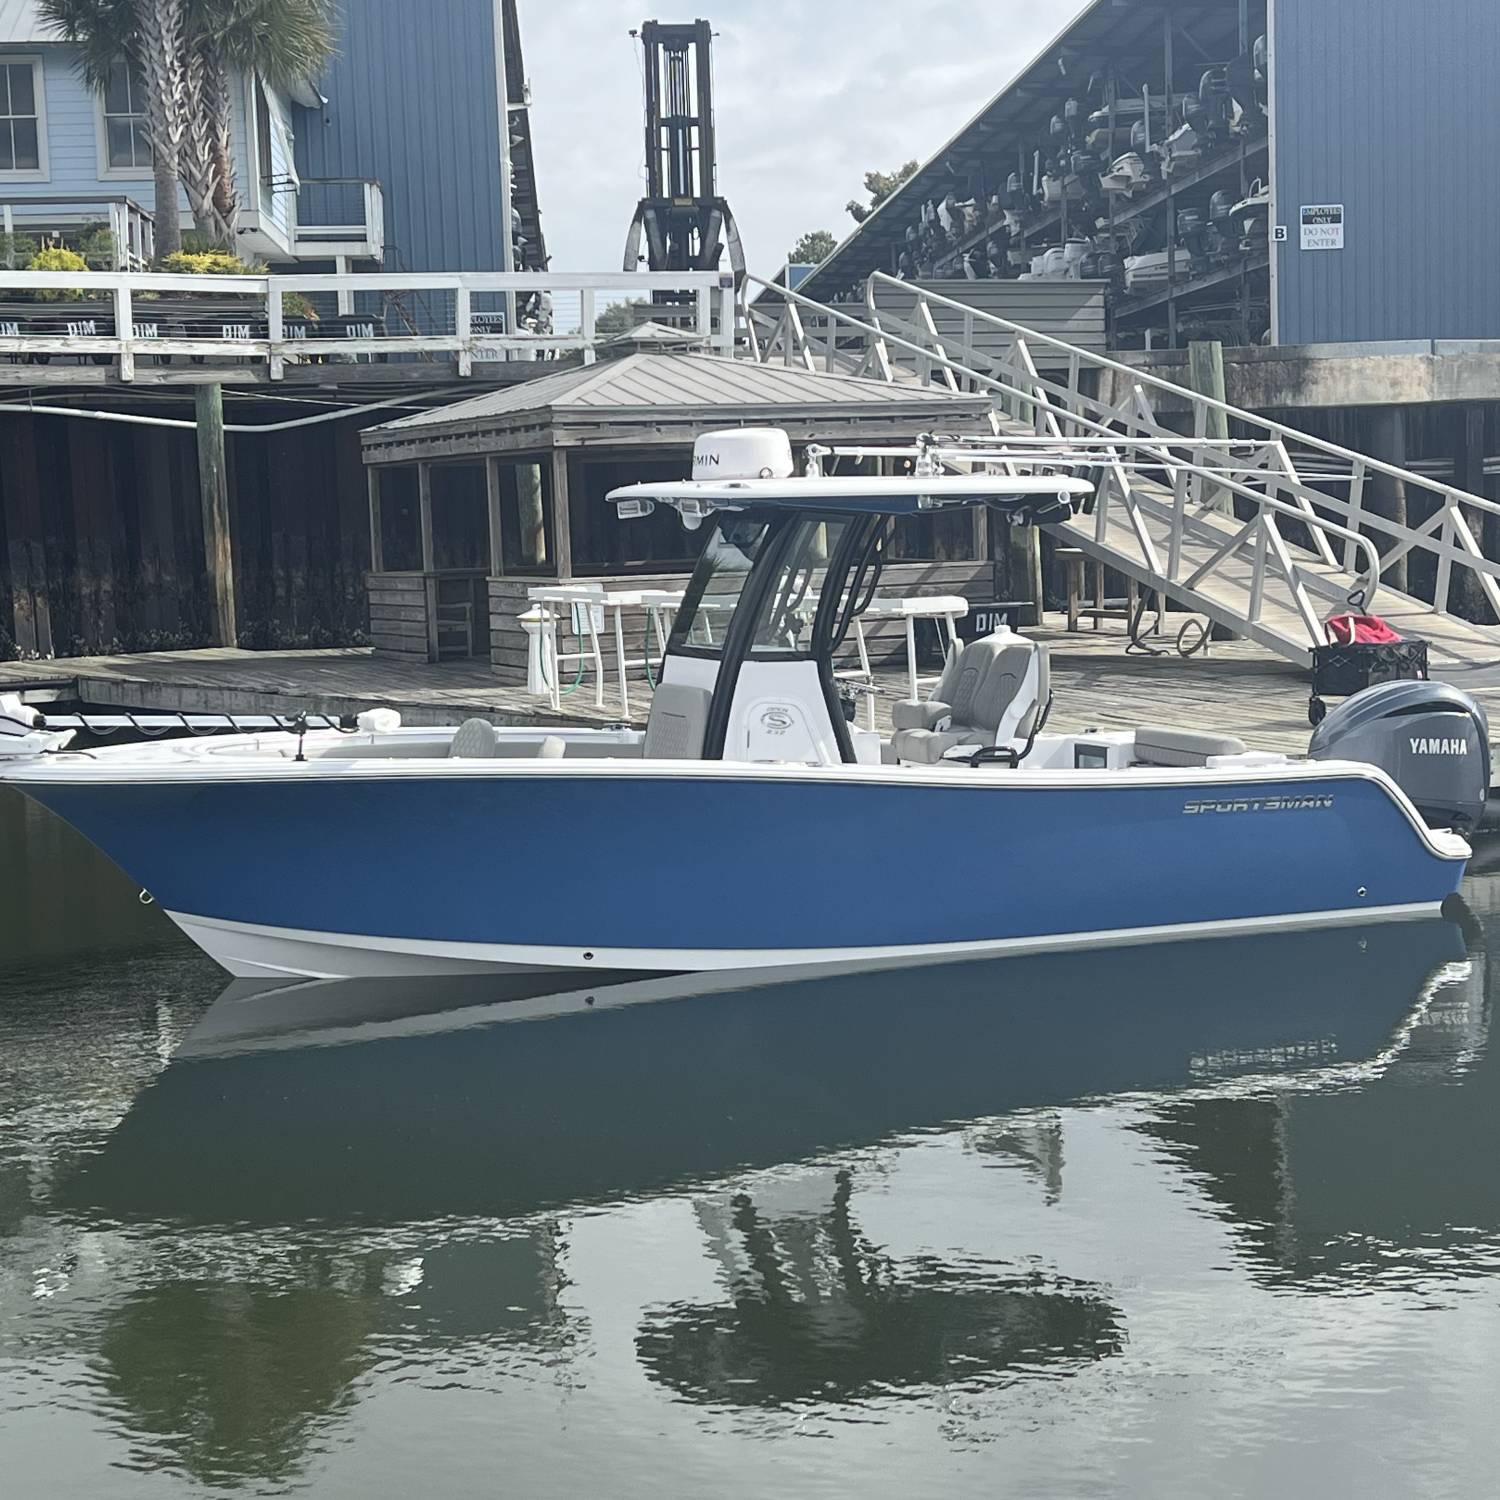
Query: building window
{"x": 400, "y": 520}
{"x": 528, "y": 542}
{"x": 23, "y": 140}
{"x": 944, "y": 536}
{"x": 604, "y": 544}
{"x": 127, "y": 146}
{"x": 460, "y": 517}
{"x": 264, "y": 158}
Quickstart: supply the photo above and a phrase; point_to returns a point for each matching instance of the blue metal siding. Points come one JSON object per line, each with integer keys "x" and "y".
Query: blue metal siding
{"x": 413, "y": 103}
{"x": 1388, "y": 107}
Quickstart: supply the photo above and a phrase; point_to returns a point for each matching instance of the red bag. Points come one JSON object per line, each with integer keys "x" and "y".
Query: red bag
{"x": 1359, "y": 630}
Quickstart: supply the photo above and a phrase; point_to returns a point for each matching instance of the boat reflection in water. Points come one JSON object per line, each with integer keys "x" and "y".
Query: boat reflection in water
{"x": 818, "y": 1312}
{"x": 395, "y": 1100}
{"x": 363, "y": 1182}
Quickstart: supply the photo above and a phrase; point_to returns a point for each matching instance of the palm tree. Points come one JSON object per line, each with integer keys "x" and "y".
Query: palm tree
{"x": 185, "y": 52}
{"x": 150, "y": 34}
{"x": 283, "y": 42}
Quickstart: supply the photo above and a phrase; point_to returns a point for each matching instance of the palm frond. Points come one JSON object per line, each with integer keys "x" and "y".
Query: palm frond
{"x": 285, "y": 41}
{"x": 103, "y": 30}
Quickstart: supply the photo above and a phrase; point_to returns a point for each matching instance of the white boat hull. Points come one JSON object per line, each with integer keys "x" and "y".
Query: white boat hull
{"x": 253, "y": 952}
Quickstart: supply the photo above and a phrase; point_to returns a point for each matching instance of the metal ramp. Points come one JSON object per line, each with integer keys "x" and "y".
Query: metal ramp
{"x": 1263, "y": 529}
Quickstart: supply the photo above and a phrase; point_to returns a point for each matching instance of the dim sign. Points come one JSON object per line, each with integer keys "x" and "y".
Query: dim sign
{"x": 1323, "y": 226}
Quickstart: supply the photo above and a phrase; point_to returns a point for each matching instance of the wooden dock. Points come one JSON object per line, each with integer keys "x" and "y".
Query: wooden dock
{"x": 288, "y": 682}
{"x": 1240, "y": 688}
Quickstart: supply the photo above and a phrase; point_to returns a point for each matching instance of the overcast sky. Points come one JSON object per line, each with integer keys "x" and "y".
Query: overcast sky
{"x": 810, "y": 95}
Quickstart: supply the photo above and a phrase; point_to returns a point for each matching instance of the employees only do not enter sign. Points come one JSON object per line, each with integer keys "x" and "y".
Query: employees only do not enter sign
{"x": 1322, "y": 226}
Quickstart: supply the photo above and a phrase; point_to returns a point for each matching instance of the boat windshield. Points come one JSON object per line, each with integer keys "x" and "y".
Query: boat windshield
{"x": 784, "y": 625}
{"x": 718, "y": 580}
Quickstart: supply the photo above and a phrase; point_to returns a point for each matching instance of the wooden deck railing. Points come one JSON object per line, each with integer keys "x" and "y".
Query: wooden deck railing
{"x": 121, "y": 317}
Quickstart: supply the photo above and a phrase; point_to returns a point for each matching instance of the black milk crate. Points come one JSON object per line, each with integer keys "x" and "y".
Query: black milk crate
{"x": 1340, "y": 671}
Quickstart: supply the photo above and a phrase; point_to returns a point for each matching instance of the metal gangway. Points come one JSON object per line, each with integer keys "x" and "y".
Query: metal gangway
{"x": 1261, "y": 528}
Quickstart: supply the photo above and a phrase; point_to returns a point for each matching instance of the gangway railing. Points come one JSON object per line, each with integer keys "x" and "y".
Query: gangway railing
{"x": 1246, "y": 499}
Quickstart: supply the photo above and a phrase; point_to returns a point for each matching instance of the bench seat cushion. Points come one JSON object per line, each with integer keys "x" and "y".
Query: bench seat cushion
{"x": 927, "y": 747}
{"x": 1158, "y": 746}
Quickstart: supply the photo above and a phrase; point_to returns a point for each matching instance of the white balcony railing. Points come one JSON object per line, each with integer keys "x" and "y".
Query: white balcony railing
{"x": 71, "y": 220}
{"x": 121, "y": 318}
{"x": 339, "y": 216}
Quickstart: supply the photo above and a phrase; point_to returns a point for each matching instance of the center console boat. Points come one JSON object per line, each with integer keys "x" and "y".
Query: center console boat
{"x": 752, "y": 822}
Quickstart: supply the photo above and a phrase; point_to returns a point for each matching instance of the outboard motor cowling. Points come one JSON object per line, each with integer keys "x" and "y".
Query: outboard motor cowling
{"x": 1431, "y": 739}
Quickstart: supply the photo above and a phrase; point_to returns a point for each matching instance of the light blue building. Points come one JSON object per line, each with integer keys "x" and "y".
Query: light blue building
{"x": 353, "y": 170}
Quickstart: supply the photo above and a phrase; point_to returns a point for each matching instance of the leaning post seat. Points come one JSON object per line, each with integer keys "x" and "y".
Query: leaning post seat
{"x": 991, "y": 693}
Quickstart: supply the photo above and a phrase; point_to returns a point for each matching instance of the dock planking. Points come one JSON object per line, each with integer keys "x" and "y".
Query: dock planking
{"x": 1239, "y": 688}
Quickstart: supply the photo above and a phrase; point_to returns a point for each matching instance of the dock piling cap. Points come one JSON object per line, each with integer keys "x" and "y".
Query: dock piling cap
{"x": 743, "y": 453}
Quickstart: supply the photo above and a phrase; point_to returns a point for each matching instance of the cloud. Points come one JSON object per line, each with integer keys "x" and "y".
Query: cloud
{"x": 809, "y": 98}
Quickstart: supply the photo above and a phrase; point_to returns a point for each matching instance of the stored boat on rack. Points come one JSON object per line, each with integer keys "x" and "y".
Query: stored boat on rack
{"x": 752, "y": 823}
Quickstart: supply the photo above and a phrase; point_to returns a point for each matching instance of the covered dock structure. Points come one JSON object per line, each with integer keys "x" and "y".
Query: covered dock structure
{"x": 473, "y": 505}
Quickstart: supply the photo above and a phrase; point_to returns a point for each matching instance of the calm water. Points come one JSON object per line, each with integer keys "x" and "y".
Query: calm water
{"x": 1208, "y": 1219}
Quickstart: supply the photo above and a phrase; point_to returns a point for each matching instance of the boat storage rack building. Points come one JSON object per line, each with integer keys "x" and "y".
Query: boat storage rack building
{"x": 1284, "y": 171}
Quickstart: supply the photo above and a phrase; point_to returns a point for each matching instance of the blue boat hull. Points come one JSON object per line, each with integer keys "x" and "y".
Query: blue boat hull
{"x": 644, "y": 870}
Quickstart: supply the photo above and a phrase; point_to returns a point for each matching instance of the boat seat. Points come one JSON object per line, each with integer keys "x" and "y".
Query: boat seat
{"x": 553, "y": 747}
{"x": 474, "y": 739}
{"x": 1156, "y": 746}
{"x": 678, "y": 722}
{"x": 993, "y": 692}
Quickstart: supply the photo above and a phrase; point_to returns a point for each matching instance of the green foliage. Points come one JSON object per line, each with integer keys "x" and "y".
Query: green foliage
{"x": 97, "y": 247}
{"x": 285, "y": 41}
{"x": 812, "y": 249}
{"x": 880, "y": 186}
{"x": 186, "y": 51}
{"x": 295, "y": 305}
{"x": 104, "y": 29}
{"x": 17, "y": 250}
{"x": 195, "y": 242}
{"x": 55, "y": 258}
{"x": 618, "y": 317}
{"x": 208, "y": 263}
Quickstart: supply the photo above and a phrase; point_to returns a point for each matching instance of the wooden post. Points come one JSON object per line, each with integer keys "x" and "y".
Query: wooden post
{"x": 1025, "y": 567}
{"x": 424, "y": 512}
{"x": 377, "y": 548}
{"x": 1468, "y": 471}
{"x": 1206, "y": 377}
{"x": 562, "y": 529}
{"x": 429, "y": 560}
{"x": 213, "y": 492}
{"x": 492, "y": 494}
{"x": 1387, "y": 494}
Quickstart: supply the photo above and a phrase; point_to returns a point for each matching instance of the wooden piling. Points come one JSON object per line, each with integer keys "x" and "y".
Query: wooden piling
{"x": 213, "y": 489}
{"x": 1206, "y": 377}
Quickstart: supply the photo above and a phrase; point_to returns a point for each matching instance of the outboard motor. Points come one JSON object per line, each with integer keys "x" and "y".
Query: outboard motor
{"x": 1431, "y": 739}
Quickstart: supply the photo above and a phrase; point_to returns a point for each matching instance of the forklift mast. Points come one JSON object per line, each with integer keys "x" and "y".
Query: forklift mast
{"x": 683, "y": 222}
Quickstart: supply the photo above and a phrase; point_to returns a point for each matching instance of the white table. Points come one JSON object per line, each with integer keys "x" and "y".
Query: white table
{"x": 659, "y": 605}
{"x": 581, "y": 600}
{"x": 949, "y": 608}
